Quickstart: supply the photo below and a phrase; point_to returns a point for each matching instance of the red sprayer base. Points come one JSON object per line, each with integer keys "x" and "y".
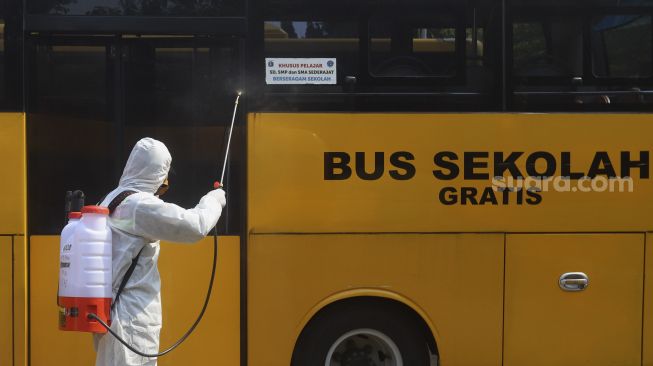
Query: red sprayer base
{"x": 73, "y": 314}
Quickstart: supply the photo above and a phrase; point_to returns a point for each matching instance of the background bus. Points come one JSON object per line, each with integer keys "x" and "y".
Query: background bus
{"x": 362, "y": 224}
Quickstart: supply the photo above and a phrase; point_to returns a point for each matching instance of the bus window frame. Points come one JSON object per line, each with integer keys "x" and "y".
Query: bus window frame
{"x": 117, "y": 51}
{"x": 301, "y": 88}
{"x": 85, "y": 24}
{"x": 12, "y": 15}
{"x": 457, "y": 13}
{"x": 365, "y": 94}
{"x": 585, "y": 16}
{"x": 366, "y": 81}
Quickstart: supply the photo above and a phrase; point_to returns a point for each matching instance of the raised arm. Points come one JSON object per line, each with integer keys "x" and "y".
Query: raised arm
{"x": 159, "y": 220}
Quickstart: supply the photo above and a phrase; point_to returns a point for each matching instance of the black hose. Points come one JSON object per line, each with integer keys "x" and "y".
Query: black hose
{"x": 192, "y": 328}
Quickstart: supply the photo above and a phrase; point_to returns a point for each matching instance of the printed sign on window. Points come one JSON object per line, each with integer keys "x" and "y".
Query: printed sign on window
{"x": 300, "y": 71}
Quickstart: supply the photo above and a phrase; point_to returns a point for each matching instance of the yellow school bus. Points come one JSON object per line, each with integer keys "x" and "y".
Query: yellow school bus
{"x": 418, "y": 183}
{"x": 477, "y": 204}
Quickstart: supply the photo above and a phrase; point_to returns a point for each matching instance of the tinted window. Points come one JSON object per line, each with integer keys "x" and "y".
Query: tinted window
{"x": 556, "y": 4}
{"x": 138, "y": 7}
{"x": 184, "y": 96}
{"x": 587, "y": 57}
{"x": 71, "y": 134}
{"x": 413, "y": 47}
{"x": 552, "y": 46}
{"x": 10, "y": 60}
{"x": 314, "y": 39}
{"x": 426, "y": 55}
{"x": 622, "y": 46}
{"x": 92, "y": 98}
{"x": 546, "y": 46}
{"x": 73, "y": 82}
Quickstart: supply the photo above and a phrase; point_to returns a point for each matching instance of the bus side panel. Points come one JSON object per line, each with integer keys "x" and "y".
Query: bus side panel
{"x": 600, "y": 325}
{"x": 365, "y": 172}
{"x": 12, "y": 164}
{"x": 20, "y": 302}
{"x": 456, "y": 279}
{"x": 185, "y": 272}
{"x": 647, "y": 351}
{"x": 13, "y": 260}
{"x": 49, "y": 345}
{"x": 6, "y": 300}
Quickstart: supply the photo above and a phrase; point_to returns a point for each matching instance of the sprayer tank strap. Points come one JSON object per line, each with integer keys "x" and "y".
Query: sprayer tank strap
{"x": 112, "y": 207}
{"x": 117, "y": 200}
{"x": 125, "y": 278}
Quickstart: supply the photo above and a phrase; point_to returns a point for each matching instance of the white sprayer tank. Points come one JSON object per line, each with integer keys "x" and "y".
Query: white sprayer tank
{"x": 64, "y": 250}
{"x": 85, "y": 279}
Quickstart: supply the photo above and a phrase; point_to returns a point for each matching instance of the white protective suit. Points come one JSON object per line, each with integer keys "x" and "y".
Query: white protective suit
{"x": 140, "y": 222}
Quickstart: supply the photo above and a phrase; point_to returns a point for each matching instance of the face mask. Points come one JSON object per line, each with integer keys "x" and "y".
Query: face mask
{"x": 163, "y": 189}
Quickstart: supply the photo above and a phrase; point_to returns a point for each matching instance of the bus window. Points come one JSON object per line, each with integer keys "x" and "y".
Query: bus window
{"x": 621, "y": 46}
{"x": 528, "y": 41}
{"x": 553, "y": 4}
{"x": 582, "y": 57}
{"x": 71, "y": 129}
{"x": 475, "y": 41}
{"x": 201, "y": 8}
{"x": 181, "y": 92}
{"x": 407, "y": 47}
{"x": 313, "y": 39}
{"x": 86, "y": 114}
{"x": 435, "y": 55}
{"x": 552, "y": 47}
{"x": 10, "y": 76}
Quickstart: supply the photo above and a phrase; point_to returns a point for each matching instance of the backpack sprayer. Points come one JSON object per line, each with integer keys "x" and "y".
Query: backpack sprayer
{"x": 85, "y": 306}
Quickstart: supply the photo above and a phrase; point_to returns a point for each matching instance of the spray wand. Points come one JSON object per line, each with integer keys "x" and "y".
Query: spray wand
{"x": 216, "y": 185}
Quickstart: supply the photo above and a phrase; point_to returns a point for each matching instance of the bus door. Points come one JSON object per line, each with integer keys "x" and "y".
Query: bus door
{"x": 573, "y": 299}
{"x": 91, "y": 97}
{"x": 113, "y": 90}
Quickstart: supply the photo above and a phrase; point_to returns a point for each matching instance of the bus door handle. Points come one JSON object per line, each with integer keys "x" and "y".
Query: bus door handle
{"x": 574, "y": 281}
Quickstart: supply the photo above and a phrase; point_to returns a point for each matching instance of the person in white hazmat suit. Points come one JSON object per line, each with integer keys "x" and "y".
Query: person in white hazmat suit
{"x": 140, "y": 221}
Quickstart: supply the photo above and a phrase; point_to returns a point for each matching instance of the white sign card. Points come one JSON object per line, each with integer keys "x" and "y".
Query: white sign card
{"x": 300, "y": 71}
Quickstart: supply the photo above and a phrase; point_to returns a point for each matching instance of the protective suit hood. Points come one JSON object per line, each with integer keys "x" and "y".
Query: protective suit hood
{"x": 147, "y": 167}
